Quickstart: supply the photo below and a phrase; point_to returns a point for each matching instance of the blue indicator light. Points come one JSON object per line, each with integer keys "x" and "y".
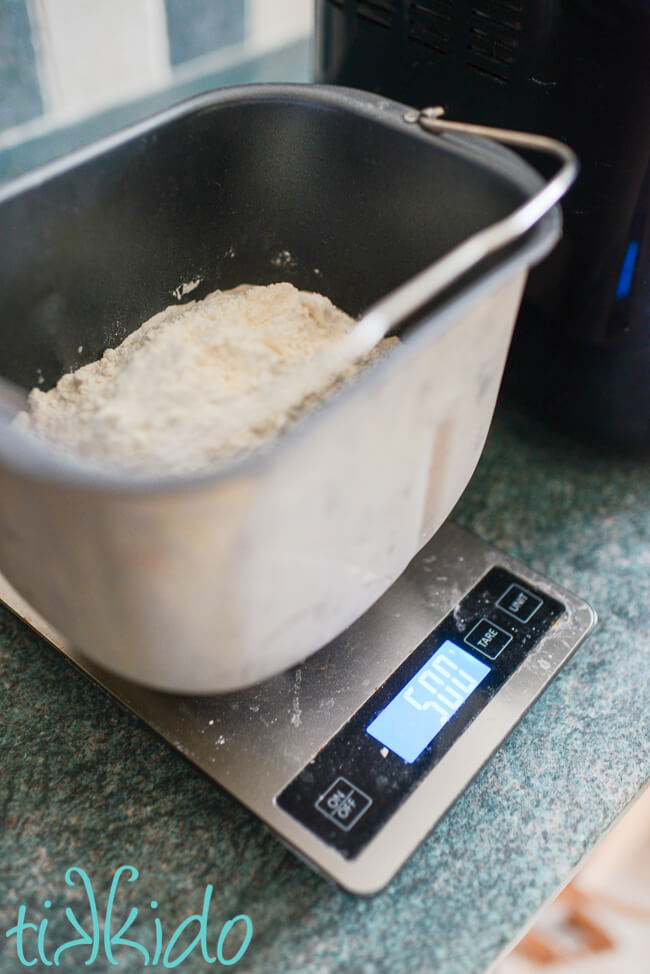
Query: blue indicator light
{"x": 428, "y": 701}
{"x": 626, "y": 276}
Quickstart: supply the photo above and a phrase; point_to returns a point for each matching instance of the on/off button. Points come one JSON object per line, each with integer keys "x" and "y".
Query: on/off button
{"x": 343, "y": 803}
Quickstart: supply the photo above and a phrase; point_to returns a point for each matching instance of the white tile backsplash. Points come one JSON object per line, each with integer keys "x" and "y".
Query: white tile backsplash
{"x": 98, "y": 52}
{"x": 270, "y": 22}
{"x": 93, "y": 54}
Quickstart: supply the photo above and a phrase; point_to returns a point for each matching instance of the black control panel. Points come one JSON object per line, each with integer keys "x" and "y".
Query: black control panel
{"x": 350, "y": 789}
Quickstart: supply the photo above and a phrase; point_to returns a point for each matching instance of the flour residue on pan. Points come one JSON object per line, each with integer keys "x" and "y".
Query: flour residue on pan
{"x": 186, "y": 288}
{"x": 284, "y": 258}
{"x": 296, "y": 709}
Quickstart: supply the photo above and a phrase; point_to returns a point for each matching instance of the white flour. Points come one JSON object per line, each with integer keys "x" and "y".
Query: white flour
{"x": 198, "y": 383}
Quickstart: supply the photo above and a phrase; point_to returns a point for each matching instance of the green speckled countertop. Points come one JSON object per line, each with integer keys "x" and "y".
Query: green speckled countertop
{"x": 84, "y": 784}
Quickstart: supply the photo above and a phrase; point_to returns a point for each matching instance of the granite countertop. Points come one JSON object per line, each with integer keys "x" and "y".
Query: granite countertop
{"x": 85, "y": 784}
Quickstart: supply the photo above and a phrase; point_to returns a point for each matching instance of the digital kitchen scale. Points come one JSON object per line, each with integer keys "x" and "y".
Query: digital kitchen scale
{"x": 353, "y": 757}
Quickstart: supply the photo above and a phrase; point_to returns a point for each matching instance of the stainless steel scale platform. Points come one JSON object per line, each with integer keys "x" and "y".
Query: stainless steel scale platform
{"x": 353, "y": 757}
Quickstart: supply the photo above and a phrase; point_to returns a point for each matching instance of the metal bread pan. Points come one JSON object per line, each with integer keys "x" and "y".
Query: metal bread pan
{"x": 216, "y": 581}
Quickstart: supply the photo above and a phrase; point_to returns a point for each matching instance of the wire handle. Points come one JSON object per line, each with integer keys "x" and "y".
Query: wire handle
{"x": 428, "y": 284}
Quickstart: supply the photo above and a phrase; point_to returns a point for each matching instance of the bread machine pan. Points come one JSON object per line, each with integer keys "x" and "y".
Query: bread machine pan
{"x": 216, "y": 581}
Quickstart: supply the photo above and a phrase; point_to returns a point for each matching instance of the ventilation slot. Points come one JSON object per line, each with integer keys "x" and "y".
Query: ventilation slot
{"x": 379, "y": 12}
{"x": 430, "y": 24}
{"x": 510, "y": 6}
{"x": 494, "y": 38}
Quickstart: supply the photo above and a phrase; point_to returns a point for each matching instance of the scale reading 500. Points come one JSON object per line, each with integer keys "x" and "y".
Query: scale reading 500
{"x": 428, "y": 701}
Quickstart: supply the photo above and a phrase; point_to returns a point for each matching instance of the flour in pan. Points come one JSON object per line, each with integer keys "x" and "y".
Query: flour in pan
{"x": 199, "y": 383}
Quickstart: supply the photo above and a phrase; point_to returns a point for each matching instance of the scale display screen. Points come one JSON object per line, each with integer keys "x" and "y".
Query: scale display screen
{"x": 428, "y": 701}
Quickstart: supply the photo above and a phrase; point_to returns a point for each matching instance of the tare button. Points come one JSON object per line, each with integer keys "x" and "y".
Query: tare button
{"x": 519, "y": 603}
{"x": 488, "y": 638}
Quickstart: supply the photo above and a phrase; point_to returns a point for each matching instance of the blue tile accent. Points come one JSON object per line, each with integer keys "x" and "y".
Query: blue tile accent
{"x": 199, "y": 26}
{"x": 20, "y": 94}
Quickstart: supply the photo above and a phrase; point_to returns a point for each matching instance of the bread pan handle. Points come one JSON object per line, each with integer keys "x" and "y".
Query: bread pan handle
{"x": 428, "y": 284}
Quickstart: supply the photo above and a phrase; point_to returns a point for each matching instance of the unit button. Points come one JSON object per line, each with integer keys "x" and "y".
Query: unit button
{"x": 488, "y": 638}
{"x": 519, "y": 603}
{"x": 343, "y": 804}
